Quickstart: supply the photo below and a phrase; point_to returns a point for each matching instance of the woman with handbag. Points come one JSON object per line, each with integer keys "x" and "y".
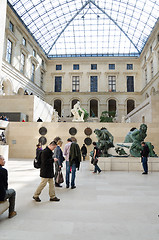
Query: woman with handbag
{"x": 95, "y": 158}
{"x": 58, "y": 165}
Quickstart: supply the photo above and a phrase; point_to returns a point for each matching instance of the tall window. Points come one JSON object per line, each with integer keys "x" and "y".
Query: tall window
{"x": 22, "y": 63}
{"x": 112, "y": 83}
{"x": 130, "y": 83}
{"x": 58, "y": 84}
{"x": 93, "y": 66}
{"x": 34, "y": 53}
{"x": 75, "y": 84}
{"x": 33, "y": 72}
{"x": 129, "y": 66}
{"x": 94, "y": 84}
{"x": 11, "y": 26}
{"x": 111, "y": 66}
{"x": 59, "y": 67}
{"x": 41, "y": 79}
{"x": 24, "y": 41}
{"x": 42, "y": 63}
{"x": 146, "y": 75}
{"x": 75, "y": 66}
{"x": 151, "y": 69}
{"x": 9, "y": 51}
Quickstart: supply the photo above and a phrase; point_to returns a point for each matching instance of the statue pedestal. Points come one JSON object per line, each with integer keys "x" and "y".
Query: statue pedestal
{"x": 126, "y": 164}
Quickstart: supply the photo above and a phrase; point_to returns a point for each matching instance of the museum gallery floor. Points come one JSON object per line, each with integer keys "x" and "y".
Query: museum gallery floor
{"x": 106, "y": 206}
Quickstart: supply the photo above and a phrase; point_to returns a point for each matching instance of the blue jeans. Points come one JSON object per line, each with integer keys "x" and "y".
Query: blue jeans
{"x": 144, "y": 164}
{"x": 96, "y": 168}
{"x": 10, "y": 194}
{"x": 68, "y": 174}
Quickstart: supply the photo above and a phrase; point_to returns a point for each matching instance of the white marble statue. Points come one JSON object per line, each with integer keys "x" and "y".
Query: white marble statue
{"x": 75, "y": 112}
{"x": 55, "y": 116}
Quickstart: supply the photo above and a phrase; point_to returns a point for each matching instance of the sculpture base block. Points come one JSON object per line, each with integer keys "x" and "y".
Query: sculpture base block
{"x": 126, "y": 164}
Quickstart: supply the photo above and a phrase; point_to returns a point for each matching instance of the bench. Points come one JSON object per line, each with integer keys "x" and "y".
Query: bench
{"x": 4, "y": 205}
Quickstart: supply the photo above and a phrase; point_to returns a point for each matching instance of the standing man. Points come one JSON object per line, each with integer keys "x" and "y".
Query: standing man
{"x": 74, "y": 161}
{"x": 47, "y": 173}
{"x": 6, "y": 193}
{"x": 144, "y": 157}
{"x": 66, "y": 154}
{"x": 84, "y": 151}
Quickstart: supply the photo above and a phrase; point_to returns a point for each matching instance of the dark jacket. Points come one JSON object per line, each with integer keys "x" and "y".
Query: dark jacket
{"x": 75, "y": 155}
{"x": 84, "y": 150}
{"x": 59, "y": 155}
{"x": 47, "y": 170}
{"x": 145, "y": 151}
{"x": 3, "y": 182}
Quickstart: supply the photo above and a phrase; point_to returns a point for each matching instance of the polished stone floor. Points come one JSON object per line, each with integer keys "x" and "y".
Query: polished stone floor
{"x": 106, "y": 206}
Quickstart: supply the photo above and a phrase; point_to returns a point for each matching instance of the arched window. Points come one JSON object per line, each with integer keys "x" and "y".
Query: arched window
{"x": 93, "y": 108}
{"x": 112, "y": 105}
{"x": 74, "y": 101}
{"x": 57, "y": 106}
{"x": 152, "y": 91}
{"x": 146, "y": 96}
{"x": 130, "y": 105}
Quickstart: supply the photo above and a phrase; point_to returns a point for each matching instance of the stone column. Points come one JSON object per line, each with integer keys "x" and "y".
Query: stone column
{"x": 3, "y": 8}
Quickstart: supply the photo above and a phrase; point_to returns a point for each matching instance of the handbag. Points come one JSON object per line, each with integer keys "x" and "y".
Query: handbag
{"x": 95, "y": 161}
{"x": 59, "y": 178}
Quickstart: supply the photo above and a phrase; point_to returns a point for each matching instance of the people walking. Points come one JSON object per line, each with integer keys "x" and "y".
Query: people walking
{"x": 144, "y": 157}
{"x": 95, "y": 158}
{"x": 6, "y": 193}
{"x": 66, "y": 155}
{"x": 47, "y": 173}
{"x": 74, "y": 161}
{"x": 84, "y": 151}
{"x": 58, "y": 165}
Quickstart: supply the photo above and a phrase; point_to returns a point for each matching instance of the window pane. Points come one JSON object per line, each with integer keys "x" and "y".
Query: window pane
{"x": 11, "y": 26}
{"x": 75, "y": 84}
{"x": 112, "y": 66}
{"x": 58, "y": 67}
{"x": 9, "y": 51}
{"x": 94, "y": 84}
{"x": 22, "y": 63}
{"x": 112, "y": 83}
{"x": 24, "y": 42}
{"x": 130, "y": 84}
{"x": 129, "y": 66}
{"x": 93, "y": 66}
{"x": 58, "y": 82}
{"x": 75, "y": 66}
{"x": 33, "y": 73}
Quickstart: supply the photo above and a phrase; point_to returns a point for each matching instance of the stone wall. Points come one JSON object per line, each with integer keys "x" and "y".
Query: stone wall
{"x": 23, "y": 137}
{"x": 31, "y": 105}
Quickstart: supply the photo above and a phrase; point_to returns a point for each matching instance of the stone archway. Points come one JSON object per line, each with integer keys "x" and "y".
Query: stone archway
{"x": 7, "y": 88}
{"x": 57, "y": 106}
{"x": 152, "y": 91}
{"x": 146, "y": 96}
{"x": 130, "y": 105}
{"x": 112, "y": 105}
{"x": 93, "y": 108}
{"x": 20, "y": 91}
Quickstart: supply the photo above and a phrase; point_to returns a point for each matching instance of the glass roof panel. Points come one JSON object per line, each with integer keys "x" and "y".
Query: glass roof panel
{"x": 89, "y": 27}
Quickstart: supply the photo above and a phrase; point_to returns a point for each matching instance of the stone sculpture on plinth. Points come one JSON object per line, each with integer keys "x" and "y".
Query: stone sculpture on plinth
{"x": 136, "y": 136}
{"x": 105, "y": 140}
{"x": 78, "y": 113}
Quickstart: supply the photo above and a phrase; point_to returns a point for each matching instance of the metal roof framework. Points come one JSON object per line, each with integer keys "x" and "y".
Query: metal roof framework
{"x": 65, "y": 28}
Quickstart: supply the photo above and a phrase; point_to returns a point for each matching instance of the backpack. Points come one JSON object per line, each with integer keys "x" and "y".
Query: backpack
{"x": 99, "y": 152}
{"x": 37, "y": 160}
